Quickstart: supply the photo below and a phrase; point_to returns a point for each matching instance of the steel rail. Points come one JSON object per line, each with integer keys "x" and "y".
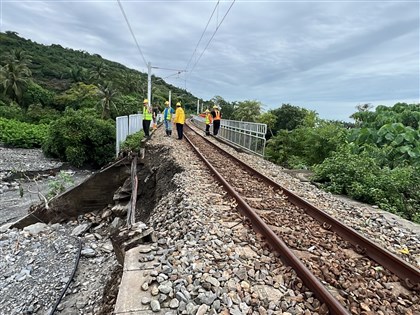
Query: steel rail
{"x": 273, "y": 240}
{"x": 409, "y": 275}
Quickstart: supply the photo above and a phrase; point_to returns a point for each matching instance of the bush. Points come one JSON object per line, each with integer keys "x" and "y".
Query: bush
{"x": 81, "y": 139}
{"x": 12, "y": 111}
{"x": 22, "y": 135}
{"x": 38, "y": 114}
{"x": 132, "y": 143}
{"x": 35, "y": 94}
{"x": 361, "y": 177}
{"x": 305, "y": 146}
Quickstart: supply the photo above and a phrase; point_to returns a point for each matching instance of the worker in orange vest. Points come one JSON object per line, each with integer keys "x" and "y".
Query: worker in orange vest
{"x": 217, "y": 116}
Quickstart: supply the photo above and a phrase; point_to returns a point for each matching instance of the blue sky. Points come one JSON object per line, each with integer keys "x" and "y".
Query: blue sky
{"x": 328, "y": 56}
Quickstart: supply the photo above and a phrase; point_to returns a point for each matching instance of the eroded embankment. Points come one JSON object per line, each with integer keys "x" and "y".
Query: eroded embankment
{"x": 89, "y": 212}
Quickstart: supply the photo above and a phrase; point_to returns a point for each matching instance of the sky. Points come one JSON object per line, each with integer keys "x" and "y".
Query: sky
{"x": 327, "y": 56}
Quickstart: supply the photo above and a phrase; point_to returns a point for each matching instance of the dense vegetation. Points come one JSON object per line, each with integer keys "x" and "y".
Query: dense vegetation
{"x": 377, "y": 161}
{"x": 66, "y": 101}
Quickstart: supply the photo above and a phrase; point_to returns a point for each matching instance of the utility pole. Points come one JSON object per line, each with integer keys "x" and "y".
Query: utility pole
{"x": 149, "y": 83}
{"x": 198, "y": 107}
{"x": 170, "y": 95}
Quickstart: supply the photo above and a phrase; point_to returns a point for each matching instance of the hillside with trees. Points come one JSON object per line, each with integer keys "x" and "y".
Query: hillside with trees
{"x": 66, "y": 101}
{"x": 54, "y": 76}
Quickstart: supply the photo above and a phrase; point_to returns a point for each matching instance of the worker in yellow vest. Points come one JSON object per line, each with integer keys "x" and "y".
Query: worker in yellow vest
{"x": 208, "y": 118}
{"x": 147, "y": 117}
{"x": 179, "y": 120}
{"x": 167, "y": 118}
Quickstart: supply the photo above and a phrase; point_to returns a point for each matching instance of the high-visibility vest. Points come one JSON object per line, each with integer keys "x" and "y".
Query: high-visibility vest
{"x": 218, "y": 116}
{"x": 208, "y": 118}
{"x": 147, "y": 115}
{"x": 168, "y": 114}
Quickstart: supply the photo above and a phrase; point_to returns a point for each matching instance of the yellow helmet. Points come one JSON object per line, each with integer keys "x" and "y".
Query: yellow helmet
{"x": 145, "y": 101}
{"x": 215, "y": 106}
{"x": 207, "y": 111}
{"x": 178, "y": 104}
{"x": 166, "y": 103}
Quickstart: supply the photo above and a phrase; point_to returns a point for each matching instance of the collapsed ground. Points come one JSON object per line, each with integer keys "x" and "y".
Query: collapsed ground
{"x": 40, "y": 259}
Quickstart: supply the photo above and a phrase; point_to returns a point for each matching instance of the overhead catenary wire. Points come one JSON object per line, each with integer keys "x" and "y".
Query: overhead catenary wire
{"x": 132, "y": 33}
{"x": 169, "y": 69}
{"x": 177, "y": 73}
{"x": 214, "y": 33}
{"x": 199, "y": 41}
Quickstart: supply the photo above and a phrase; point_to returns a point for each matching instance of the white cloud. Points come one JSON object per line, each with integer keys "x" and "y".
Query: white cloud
{"x": 311, "y": 54}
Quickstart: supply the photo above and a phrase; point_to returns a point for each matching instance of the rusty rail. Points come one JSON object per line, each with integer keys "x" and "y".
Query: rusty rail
{"x": 409, "y": 275}
{"x": 273, "y": 240}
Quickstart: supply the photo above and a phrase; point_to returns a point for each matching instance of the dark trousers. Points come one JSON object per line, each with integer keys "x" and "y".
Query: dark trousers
{"x": 180, "y": 130}
{"x": 216, "y": 127}
{"x": 208, "y": 130}
{"x": 146, "y": 127}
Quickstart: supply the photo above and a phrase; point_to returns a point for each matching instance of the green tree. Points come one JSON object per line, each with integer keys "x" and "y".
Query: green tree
{"x": 248, "y": 110}
{"x": 80, "y": 138}
{"x": 14, "y": 78}
{"x": 38, "y": 114}
{"x": 132, "y": 83}
{"x": 289, "y": 117}
{"x": 227, "y": 108}
{"x": 107, "y": 94}
{"x": 128, "y": 104}
{"x": 18, "y": 56}
{"x": 269, "y": 119}
{"x": 80, "y": 95}
{"x": 36, "y": 94}
{"x": 77, "y": 74}
{"x": 98, "y": 72}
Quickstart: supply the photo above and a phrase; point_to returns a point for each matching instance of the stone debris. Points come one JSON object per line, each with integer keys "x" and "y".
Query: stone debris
{"x": 206, "y": 258}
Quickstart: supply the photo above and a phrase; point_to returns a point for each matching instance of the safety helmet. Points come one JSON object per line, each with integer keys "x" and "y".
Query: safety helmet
{"x": 145, "y": 101}
{"x": 215, "y": 106}
{"x": 178, "y": 104}
{"x": 207, "y": 111}
{"x": 166, "y": 103}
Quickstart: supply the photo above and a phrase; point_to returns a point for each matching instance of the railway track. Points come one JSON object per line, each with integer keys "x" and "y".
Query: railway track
{"x": 345, "y": 270}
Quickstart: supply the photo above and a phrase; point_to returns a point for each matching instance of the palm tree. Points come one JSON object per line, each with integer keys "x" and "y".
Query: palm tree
{"x": 130, "y": 82}
{"x": 99, "y": 71}
{"x": 18, "y": 56}
{"x": 108, "y": 95}
{"x": 14, "y": 77}
{"x": 77, "y": 74}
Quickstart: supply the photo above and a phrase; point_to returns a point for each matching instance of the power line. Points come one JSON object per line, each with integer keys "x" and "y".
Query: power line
{"x": 199, "y": 41}
{"x": 131, "y": 31}
{"x": 177, "y": 73}
{"x": 168, "y": 69}
{"x": 208, "y": 43}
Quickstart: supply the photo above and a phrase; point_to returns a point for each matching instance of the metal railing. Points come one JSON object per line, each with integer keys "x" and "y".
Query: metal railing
{"x": 125, "y": 126}
{"x": 248, "y": 135}
{"x": 128, "y": 125}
